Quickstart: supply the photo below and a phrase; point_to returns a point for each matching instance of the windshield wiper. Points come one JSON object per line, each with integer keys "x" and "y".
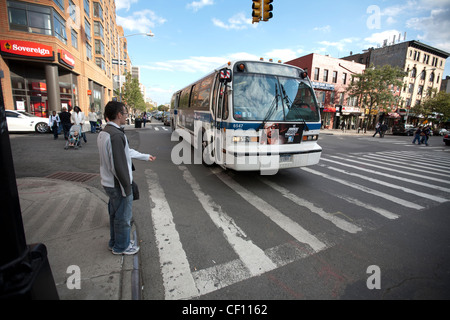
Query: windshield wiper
{"x": 290, "y": 106}
{"x": 271, "y": 109}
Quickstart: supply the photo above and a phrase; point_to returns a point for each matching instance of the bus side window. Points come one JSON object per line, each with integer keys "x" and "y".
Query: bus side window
{"x": 225, "y": 106}
{"x": 214, "y": 97}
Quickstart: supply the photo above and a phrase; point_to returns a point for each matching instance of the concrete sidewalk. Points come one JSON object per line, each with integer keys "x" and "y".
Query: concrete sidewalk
{"x": 71, "y": 219}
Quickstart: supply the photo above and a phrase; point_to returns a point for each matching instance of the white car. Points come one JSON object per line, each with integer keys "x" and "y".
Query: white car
{"x": 21, "y": 121}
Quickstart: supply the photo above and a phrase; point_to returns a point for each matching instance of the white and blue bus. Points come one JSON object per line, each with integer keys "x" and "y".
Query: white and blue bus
{"x": 250, "y": 116}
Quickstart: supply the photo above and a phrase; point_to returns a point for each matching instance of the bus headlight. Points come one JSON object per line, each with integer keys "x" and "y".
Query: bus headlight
{"x": 245, "y": 139}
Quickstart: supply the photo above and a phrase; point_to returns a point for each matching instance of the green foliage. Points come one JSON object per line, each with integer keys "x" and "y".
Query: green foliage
{"x": 439, "y": 103}
{"x": 375, "y": 87}
{"x": 131, "y": 94}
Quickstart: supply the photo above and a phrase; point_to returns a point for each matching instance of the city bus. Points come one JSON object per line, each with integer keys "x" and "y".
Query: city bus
{"x": 250, "y": 116}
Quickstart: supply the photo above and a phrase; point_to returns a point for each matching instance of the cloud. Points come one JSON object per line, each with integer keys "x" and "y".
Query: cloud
{"x": 435, "y": 29}
{"x": 124, "y": 4}
{"x": 141, "y": 21}
{"x": 324, "y": 29}
{"x": 340, "y": 45}
{"x": 377, "y": 39}
{"x": 237, "y": 22}
{"x": 197, "y": 5}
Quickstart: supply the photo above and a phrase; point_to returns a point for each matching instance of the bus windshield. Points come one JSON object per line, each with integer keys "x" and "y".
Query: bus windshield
{"x": 273, "y": 98}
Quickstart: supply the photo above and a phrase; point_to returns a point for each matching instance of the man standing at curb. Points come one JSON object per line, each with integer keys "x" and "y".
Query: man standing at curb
{"x": 117, "y": 176}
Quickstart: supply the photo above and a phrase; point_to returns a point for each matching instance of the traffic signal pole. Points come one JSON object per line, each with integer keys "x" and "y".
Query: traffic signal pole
{"x": 262, "y": 10}
{"x": 25, "y": 273}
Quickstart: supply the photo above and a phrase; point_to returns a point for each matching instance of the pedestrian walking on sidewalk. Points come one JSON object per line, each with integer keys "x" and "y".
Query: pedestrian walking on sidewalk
{"x": 78, "y": 119}
{"x": 65, "y": 116}
{"x": 53, "y": 123}
{"x": 116, "y": 171}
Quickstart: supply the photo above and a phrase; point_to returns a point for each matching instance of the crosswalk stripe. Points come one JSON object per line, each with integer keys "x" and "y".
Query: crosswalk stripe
{"x": 362, "y": 188}
{"x": 338, "y": 222}
{"x": 383, "y": 183}
{"x": 424, "y": 165}
{"x": 389, "y": 169}
{"x": 388, "y": 175}
{"x": 290, "y": 226}
{"x": 177, "y": 277}
{"x": 250, "y": 254}
{"x": 380, "y": 211}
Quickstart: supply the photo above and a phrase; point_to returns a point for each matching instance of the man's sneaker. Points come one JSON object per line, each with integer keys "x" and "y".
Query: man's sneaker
{"x": 131, "y": 243}
{"x": 129, "y": 251}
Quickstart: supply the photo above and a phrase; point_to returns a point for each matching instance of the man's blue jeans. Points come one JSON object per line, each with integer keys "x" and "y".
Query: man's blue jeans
{"x": 120, "y": 214}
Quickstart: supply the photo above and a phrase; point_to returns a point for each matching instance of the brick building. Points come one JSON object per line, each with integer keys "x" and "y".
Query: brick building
{"x": 59, "y": 53}
{"x": 424, "y": 66}
{"x": 330, "y": 78}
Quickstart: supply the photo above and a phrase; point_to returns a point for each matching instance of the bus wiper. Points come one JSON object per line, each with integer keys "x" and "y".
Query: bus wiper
{"x": 290, "y": 105}
{"x": 272, "y": 106}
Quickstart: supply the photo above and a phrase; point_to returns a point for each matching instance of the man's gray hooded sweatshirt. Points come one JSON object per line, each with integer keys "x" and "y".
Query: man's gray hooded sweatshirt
{"x": 115, "y": 158}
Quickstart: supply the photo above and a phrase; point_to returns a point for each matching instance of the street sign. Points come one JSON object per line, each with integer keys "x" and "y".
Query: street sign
{"x": 116, "y": 61}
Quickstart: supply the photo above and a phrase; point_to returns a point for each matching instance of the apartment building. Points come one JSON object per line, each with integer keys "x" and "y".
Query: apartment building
{"x": 60, "y": 53}
{"x": 330, "y": 78}
{"x": 424, "y": 67}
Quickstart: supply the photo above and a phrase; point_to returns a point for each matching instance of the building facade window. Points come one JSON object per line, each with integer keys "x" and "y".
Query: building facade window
{"x": 316, "y": 74}
{"x": 325, "y": 75}
{"x": 98, "y": 11}
{"x": 87, "y": 30}
{"x": 30, "y": 18}
{"x": 335, "y": 76}
{"x": 98, "y": 29}
{"x": 59, "y": 27}
{"x": 99, "y": 47}
{"x": 88, "y": 51}
{"x": 87, "y": 8}
{"x": 60, "y": 4}
{"x": 74, "y": 36}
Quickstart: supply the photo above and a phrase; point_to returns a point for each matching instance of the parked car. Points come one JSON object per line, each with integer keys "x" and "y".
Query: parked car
{"x": 447, "y": 139}
{"x": 21, "y": 121}
{"x": 403, "y": 129}
{"x": 443, "y": 132}
{"x": 166, "y": 120}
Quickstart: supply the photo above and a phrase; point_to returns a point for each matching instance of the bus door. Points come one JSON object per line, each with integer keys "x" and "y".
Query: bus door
{"x": 219, "y": 113}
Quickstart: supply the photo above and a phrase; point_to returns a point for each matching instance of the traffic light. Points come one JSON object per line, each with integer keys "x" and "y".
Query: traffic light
{"x": 257, "y": 11}
{"x": 267, "y": 10}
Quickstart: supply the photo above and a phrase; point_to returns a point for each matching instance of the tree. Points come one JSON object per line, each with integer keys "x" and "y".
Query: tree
{"x": 375, "y": 87}
{"x": 435, "y": 104}
{"x": 131, "y": 93}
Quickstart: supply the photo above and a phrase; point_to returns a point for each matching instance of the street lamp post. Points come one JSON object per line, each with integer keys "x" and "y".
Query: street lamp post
{"x": 119, "y": 62}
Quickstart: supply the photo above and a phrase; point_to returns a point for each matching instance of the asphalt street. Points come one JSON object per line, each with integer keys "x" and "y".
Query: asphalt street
{"x": 312, "y": 233}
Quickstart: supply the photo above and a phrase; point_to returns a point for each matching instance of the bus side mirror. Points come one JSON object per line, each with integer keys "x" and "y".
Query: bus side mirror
{"x": 225, "y": 75}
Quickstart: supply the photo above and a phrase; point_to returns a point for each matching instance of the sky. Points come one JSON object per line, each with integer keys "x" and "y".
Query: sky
{"x": 194, "y": 37}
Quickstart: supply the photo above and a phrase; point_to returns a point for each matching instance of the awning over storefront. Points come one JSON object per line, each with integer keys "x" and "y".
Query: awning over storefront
{"x": 394, "y": 115}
